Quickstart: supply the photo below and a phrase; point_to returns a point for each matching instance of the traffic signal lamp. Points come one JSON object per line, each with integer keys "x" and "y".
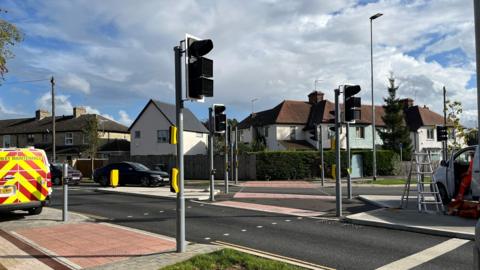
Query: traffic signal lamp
{"x": 199, "y": 68}
{"x": 442, "y": 134}
{"x": 351, "y": 103}
{"x": 220, "y": 118}
{"x": 314, "y": 135}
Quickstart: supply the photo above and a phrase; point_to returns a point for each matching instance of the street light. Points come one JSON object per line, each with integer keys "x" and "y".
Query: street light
{"x": 373, "y": 104}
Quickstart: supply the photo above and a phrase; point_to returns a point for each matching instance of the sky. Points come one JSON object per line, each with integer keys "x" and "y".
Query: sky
{"x": 112, "y": 56}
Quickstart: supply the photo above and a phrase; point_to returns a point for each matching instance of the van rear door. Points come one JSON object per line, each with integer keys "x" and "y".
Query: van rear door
{"x": 8, "y": 182}
{"x": 32, "y": 175}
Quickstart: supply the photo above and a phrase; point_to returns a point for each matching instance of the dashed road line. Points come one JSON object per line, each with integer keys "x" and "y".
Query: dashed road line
{"x": 425, "y": 255}
{"x": 259, "y": 226}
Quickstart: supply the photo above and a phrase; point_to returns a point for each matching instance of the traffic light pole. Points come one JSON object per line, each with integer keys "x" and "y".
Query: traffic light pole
{"x": 338, "y": 183}
{"x": 236, "y": 155}
{"x": 179, "y": 119}
{"x": 226, "y": 158}
{"x": 320, "y": 139}
{"x": 349, "y": 164}
{"x": 445, "y": 143}
{"x": 210, "y": 154}
{"x": 230, "y": 145}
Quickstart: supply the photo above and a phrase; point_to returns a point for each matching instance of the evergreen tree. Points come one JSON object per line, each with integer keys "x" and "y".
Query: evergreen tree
{"x": 396, "y": 131}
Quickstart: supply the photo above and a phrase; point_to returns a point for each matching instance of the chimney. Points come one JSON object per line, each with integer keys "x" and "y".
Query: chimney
{"x": 407, "y": 103}
{"x": 40, "y": 114}
{"x": 79, "y": 111}
{"x": 315, "y": 97}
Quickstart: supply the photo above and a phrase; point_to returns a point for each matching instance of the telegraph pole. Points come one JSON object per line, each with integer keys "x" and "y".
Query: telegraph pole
{"x": 179, "y": 119}
{"x": 338, "y": 183}
{"x": 54, "y": 158}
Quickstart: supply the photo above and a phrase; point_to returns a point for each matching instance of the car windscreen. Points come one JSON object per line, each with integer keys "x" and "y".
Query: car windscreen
{"x": 139, "y": 167}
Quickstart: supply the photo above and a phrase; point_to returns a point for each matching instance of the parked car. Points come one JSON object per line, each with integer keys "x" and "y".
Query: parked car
{"x": 449, "y": 174}
{"x": 131, "y": 173}
{"x": 57, "y": 171}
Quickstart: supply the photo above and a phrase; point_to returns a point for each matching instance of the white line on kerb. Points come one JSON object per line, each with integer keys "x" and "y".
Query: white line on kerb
{"x": 425, "y": 255}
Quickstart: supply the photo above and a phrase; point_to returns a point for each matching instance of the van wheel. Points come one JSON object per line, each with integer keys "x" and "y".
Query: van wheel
{"x": 443, "y": 194}
{"x": 104, "y": 181}
{"x": 35, "y": 211}
{"x": 56, "y": 181}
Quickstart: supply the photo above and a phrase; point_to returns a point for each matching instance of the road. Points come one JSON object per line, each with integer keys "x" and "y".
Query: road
{"x": 321, "y": 241}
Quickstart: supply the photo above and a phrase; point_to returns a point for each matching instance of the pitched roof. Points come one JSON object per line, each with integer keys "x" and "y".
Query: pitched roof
{"x": 190, "y": 122}
{"x": 62, "y": 124}
{"x": 417, "y": 116}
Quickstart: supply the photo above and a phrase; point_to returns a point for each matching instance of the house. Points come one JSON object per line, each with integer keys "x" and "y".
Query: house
{"x": 290, "y": 125}
{"x": 71, "y": 143}
{"x": 150, "y": 131}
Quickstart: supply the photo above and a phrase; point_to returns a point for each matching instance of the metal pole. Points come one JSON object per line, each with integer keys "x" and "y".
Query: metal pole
{"x": 65, "y": 193}
{"x": 210, "y": 154}
{"x": 236, "y": 155}
{"x": 445, "y": 143}
{"x": 338, "y": 183}
{"x": 225, "y": 179}
{"x": 476, "y": 8}
{"x": 230, "y": 145}
{"x": 321, "y": 154}
{"x": 54, "y": 157}
{"x": 179, "y": 111}
{"x": 349, "y": 164}
{"x": 373, "y": 105}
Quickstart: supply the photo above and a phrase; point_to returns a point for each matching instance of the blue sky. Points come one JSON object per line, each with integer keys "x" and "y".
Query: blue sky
{"x": 113, "y": 56}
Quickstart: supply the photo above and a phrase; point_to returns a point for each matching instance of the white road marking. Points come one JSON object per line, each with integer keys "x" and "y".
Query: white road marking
{"x": 161, "y": 211}
{"x": 287, "y": 220}
{"x": 145, "y": 214}
{"x": 243, "y": 230}
{"x": 299, "y": 218}
{"x": 207, "y": 238}
{"x": 259, "y": 226}
{"x": 189, "y": 207}
{"x": 129, "y": 216}
{"x": 426, "y": 255}
{"x": 274, "y": 223}
{"x": 226, "y": 234}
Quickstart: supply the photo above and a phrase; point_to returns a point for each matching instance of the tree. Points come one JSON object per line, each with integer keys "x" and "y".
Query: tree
{"x": 9, "y": 36}
{"x": 396, "y": 131}
{"x": 457, "y": 131}
{"x": 471, "y": 136}
{"x": 91, "y": 134}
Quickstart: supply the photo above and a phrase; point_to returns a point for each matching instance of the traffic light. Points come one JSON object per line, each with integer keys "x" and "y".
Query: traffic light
{"x": 314, "y": 135}
{"x": 442, "y": 134}
{"x": 219, "y": 118}
{"x": 199, "y": 68}
{"x": 352, "y": 104}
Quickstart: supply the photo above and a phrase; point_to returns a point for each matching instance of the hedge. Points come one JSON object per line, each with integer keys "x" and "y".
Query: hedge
{"x": 306, "y": 164}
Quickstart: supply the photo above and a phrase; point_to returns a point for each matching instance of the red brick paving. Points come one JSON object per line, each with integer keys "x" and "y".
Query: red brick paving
{"x": 280, "y": 184}
{"x": 251, "y": 195}
{"x": 90, "y": 244}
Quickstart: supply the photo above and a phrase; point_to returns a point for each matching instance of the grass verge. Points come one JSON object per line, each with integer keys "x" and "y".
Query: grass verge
{"x": 230, "y": 259}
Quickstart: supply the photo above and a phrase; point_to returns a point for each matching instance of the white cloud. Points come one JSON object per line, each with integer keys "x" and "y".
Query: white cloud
{"x": 76, "y": 83}
{"x": 124, "y": 118}
{"x": 63, "y": 106}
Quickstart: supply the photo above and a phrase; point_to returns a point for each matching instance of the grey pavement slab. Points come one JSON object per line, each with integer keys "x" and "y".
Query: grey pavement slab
{"x": 162, "y": 192}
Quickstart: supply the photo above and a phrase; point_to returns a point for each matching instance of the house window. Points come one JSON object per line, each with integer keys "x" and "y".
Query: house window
{"x": 44, "y": 137}
{"x": 430, "y": 134}
{"x": 360, "y": 132}
{"x": 69, "y": 138}
{"x": 162, "y": 136}
{"x": 30, "y": 138}
{"x": 265, "y": 131}
{"x": 292, "y": 133}
{"x": 6, "y": 141}
{"x": 137, "y": 134}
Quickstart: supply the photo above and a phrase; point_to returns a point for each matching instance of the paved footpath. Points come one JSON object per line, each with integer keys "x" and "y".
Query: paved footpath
{"x": 44, "y": 242}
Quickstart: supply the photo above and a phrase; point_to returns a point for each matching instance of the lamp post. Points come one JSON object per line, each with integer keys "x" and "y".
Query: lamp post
{"x": 373, "y": 104}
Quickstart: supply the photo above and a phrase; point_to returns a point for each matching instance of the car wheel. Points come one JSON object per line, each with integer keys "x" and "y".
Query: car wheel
{"x": 443, "y": 194}
{"x": 57, "y": 181}
{"x": 103, "y": 181}
{"x": 144, "y": 181}
{"x": 35, "y": 211}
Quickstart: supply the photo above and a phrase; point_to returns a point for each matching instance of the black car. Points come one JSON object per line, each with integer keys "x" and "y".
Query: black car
{"x": 131, "y": 173}
{"x": 56, "y": 169}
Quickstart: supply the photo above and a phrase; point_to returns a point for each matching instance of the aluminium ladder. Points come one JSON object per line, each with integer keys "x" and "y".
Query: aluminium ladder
{"x": 421, "y": 165}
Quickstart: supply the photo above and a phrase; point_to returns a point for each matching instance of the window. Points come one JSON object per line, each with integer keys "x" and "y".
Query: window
{"x": 162, "y": 136}
{"x": 30, "y": 138}
{"x": 69, "y": 138}
{"x": 292, "y": 133}
{"x": 265, "y": 131}
{"x": 6, "y": 141}
{"x": 430, "y": 134}
{"x": 137, "y": 134}
{"x": 44, "y": 137}
{"x": 360, "y": 132}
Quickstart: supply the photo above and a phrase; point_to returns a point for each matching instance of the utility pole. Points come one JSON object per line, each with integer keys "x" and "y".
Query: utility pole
{"x": 226, "y": 158}
{"x": 54, "y": 157}
{"x": 444, "y": 143}
{"x": 210, "y": 154}
{"x": 320, "y": 139}
{"x": 236, "y": 155}
{"x": 338, "y": 183}
{"x": 179, "y": 119}
{"x": 349, "y": 164}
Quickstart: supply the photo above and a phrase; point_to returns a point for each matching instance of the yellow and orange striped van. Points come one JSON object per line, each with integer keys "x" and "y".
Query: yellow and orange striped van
{"x": 25, "y": 180}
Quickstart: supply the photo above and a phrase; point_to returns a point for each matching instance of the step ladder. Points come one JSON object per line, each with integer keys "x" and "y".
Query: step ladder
{"x": 421, "y": 166}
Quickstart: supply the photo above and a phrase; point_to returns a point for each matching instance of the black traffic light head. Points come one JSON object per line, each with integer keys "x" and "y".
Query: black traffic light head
{"x": 314, "y": 135}
{"x": 220, "y": 118}
{"x": 442, "y": 133}
{"x": 199, "y": 68}
{"x": 351, "y": 90}
{"x": 199, "y": 48}
{"x": 352, "y": 105}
